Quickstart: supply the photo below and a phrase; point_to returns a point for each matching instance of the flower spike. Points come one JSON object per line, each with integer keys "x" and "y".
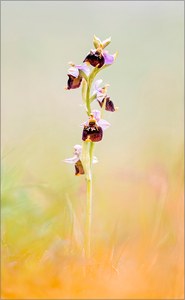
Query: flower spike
{"x": 93, "y": 129}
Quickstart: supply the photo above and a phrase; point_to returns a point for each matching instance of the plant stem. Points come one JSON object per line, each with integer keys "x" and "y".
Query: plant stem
{"x": 88, "y": 219}
{"x": 87, "y": 158}
{"x": 91, "y": 150}
{"x": 89, "y": 205}
{"x": 89, "y": 83}
{"x": 88, "y": 103}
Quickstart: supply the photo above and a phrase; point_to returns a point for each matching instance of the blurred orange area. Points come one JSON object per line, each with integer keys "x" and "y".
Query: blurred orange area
{"x": 137, "y": 245}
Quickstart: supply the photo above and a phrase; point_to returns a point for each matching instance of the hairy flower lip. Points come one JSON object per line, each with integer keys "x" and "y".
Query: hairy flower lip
{"x": 99, "y": 57}
{"x": 73, "y": 82}
{"x": 93, "y": 130}
{"x": 92, "y": 133}
{"x": 79, "y": 170}
{"x": 109, "y": 105}
{"x": 95, "y": 58}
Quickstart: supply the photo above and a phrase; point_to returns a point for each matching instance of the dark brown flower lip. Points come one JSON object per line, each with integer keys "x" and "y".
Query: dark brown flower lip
{"x": 73, "y": 82}
{"x": 109, "y": 106}
{"x": 93, "y": 133}
{"x": 96, "y": 59}
{"x": 79, "y": 170}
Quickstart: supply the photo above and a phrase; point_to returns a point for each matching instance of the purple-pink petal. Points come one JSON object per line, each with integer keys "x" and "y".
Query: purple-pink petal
{"x": 109, "y": 59}
{"x": 96, "y": 114}
{"x": 83, "y": 68}
{"x": 84, "y": 124}
{"x": 72, "y": 160}
{"x": 73, "y": 71}
{"x": 97, "y": 84}
{"x": 104, "y": 124}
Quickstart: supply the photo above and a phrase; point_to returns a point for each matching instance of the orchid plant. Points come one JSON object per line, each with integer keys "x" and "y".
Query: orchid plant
{"x": 93, "y": 129}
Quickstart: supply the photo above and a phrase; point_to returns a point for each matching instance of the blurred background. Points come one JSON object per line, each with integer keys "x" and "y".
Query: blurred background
{"x": 137, "y": 226}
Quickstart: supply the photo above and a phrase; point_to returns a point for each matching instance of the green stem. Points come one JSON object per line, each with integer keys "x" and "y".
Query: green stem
{"x": 89, "y": 205}
{"x": 91, "y": 150}
{"x": 87, "y": 159}
{"x": 88, "y": 219}
{"x": 89, "y": 84}
{"x": 88, "y": 103}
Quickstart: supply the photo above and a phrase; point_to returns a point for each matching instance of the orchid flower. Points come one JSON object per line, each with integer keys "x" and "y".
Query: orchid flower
{"x": 76, "y": 160}
{"x": 75, "y": 74}
{"x": 101, "y": 96}
{"x": 94, "y": 127}
{"x": 98, "y": 56}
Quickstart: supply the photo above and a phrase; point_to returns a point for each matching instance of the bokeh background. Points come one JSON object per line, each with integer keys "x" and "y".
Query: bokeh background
{"x": 137, "y": 227}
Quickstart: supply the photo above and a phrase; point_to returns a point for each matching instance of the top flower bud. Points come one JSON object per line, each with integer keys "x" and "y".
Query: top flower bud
{"x": 99, "y": 57}
{"x": 98, "y": 43}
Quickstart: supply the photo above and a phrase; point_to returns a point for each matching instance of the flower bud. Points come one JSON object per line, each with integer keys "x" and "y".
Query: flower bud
{"x": 106, "y": 42}
{"x": 96, "y": 42}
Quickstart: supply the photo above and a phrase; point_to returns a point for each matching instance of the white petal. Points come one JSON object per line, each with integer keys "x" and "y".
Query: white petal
{"x": 73, "y": 71}
{"x": 72, "y": 160}
{"x": 84, "y": 124}
{"x": 100, "y": 96}
{"x": 96, "y": 114}
{"x": 103, "y": 124}
{"x": 97, "y": 83}
{"x": 84, "y": 68}
{"x": 78, "y": 149}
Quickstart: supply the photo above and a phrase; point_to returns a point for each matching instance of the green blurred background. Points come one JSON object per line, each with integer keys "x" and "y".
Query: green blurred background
{"x": 38, "y": 40}
{"x": 141, "y": 155}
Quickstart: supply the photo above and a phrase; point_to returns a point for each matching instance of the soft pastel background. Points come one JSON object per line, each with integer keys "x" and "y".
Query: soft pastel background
{"x": 137, "y": 234}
